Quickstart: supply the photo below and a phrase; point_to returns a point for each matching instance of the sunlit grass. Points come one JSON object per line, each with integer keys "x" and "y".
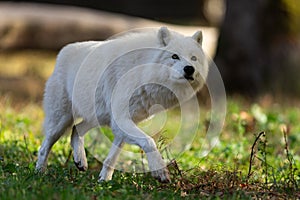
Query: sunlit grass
{"x": 225, "y": 167}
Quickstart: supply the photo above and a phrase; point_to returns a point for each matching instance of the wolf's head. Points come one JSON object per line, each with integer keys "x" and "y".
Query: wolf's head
{"x": 185, "y": 57}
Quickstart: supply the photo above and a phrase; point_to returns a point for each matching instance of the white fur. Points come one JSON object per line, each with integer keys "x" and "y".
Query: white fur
{"x": 84, "y": 82}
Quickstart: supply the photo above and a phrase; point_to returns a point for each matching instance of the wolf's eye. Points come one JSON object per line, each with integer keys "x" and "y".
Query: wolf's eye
{"x": 193, "y": 58}
{"x": 175, "y": 57}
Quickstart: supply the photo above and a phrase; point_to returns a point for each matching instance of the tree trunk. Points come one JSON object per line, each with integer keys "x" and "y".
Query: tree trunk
{"x": 246, "y": 44}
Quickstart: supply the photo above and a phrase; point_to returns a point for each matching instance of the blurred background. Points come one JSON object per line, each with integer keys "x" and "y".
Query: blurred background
{"x": 255, "y": 44}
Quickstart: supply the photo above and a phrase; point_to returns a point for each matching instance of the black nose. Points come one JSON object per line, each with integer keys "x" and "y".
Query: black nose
{"x": 189, "y": 70}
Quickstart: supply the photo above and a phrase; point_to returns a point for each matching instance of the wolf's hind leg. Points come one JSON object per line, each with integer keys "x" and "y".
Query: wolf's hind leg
{"x": 58, "y": 118}
{"x": 77, "y": 143}
{"x": 53, "y": 131}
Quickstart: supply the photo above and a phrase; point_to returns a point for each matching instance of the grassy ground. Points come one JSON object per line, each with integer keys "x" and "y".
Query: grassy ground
{"x": 245, "y": 165}
{"x": 224, "y": 173}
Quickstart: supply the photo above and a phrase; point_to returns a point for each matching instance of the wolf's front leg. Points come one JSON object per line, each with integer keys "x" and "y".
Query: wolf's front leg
{"x": 156, "y": 164}
{"x": 133, "y": 135}
{"x": 110, "y": 161}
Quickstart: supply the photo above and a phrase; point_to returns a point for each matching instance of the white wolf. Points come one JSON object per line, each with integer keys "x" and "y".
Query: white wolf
{"x": 161, "y": 67}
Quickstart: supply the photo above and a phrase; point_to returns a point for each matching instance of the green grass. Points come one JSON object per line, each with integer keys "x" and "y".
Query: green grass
{"x": 221, "y": 174}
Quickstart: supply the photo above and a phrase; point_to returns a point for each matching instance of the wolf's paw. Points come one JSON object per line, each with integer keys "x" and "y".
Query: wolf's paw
{"x": 80, "y": 166}
{"x": 162, "y": 175}
{"x": 106, "y": 174}
{"x": 79, "y": 156}
{"x": 39, "y": 169}
{"x": 80, "y": 160}
{"x": 41, "y": 164}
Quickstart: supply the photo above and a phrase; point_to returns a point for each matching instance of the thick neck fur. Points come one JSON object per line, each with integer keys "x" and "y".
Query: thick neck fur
{"x": 147, "y": 96}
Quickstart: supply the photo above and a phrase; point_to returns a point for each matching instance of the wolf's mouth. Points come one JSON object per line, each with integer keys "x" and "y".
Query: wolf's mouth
{"x": 189, "y": 78}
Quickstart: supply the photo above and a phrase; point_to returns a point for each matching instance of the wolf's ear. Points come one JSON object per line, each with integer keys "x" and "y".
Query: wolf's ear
{"x": 164, "y": 36}
{"x": 198, "y": 36}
